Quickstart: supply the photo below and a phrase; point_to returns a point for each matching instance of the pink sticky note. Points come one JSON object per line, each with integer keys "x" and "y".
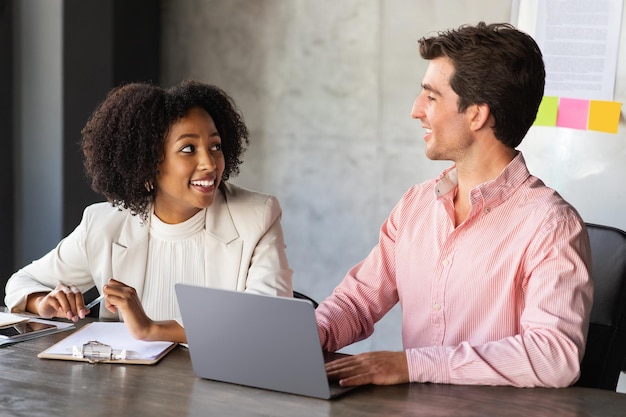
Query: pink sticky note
{"x": 573, "y": 113}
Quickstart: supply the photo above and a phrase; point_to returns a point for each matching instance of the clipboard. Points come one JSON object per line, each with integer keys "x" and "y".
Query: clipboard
{"x": 90, "y": 343}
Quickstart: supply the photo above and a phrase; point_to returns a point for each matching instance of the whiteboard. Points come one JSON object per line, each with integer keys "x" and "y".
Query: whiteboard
{"x": 587, "y": 168}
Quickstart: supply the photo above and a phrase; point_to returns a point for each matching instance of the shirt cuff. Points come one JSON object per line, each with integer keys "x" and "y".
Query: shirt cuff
{"x": 429, "y": 364}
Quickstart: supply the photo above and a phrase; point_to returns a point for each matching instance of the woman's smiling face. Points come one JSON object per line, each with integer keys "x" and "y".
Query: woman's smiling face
{"x": 192, "y": 167}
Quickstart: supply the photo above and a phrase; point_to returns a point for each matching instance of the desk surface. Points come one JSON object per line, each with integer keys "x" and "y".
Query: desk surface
{"x": 39, "y": 387}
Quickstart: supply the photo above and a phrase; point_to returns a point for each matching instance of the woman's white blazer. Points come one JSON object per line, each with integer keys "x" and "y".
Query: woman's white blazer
{"x": 245, "y": 250}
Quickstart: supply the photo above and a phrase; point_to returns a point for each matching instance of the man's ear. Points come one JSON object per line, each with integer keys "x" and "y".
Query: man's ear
{"x": 479, "y": 116}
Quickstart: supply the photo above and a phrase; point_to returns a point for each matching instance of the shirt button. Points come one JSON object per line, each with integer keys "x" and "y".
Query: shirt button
{"x": 445, "y": 262}
{"x": 437, "y": 306}
{"x": 487, "y": 210}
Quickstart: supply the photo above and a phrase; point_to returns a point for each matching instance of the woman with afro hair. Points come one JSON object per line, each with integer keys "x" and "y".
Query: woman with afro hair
{"x": 162, "y": 158}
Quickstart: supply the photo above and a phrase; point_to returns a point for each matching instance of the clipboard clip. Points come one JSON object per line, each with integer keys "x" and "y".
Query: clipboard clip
{"x": 95, "y": 352}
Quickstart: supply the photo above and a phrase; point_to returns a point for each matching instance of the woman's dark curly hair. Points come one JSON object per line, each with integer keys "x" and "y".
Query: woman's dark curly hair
{"x": 123, "y": 140}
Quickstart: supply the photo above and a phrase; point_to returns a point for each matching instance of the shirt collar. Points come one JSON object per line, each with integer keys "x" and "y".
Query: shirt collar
{"x": 492, "y": 192}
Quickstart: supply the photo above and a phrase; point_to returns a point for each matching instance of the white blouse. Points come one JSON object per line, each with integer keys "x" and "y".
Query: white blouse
{"x": 175, "y": 254}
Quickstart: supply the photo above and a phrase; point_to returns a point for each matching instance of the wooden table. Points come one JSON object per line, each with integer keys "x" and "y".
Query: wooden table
{"x": 38, "y": 387}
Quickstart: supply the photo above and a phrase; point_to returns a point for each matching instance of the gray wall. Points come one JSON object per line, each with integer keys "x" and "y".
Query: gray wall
{"x": 38, "y": 126}
{"x": 326, "y": 88}
{"x": 59, "y": 59}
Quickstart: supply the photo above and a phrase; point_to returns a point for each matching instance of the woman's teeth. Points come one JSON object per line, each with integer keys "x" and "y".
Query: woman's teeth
{"x": 204, "y": 183}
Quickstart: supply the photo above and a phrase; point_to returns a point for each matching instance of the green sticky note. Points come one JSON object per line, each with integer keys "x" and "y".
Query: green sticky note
{"x": 604, "y": 116}
{"x": 548, "y": 109}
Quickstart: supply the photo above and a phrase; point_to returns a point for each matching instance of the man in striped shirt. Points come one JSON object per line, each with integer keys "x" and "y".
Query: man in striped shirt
{"x": 490, "y": 266}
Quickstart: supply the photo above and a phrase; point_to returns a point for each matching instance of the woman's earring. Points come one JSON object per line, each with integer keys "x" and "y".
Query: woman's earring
{"x": 149, "y": 186}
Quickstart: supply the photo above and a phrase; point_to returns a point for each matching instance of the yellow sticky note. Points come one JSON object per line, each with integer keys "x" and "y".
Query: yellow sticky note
{"x": 546, "y": 115}
{"x": 604, "y": 116}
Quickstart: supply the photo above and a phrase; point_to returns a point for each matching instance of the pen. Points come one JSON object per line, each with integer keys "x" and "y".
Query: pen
{"x": 94, "y": 302}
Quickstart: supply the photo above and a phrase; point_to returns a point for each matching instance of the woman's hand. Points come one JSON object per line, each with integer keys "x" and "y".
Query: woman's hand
{"x": 121, "y": 298}
{"x": 65, "y": 301}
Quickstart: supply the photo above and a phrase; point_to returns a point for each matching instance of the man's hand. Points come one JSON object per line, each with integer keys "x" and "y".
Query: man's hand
{"x": 379, "y": 368}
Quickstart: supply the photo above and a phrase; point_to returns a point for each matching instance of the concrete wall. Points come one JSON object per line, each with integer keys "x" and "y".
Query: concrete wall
{"x": 326, "y": 88}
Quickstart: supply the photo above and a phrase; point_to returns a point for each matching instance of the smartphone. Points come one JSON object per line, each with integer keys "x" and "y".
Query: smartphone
{"x": 24, "y": 329}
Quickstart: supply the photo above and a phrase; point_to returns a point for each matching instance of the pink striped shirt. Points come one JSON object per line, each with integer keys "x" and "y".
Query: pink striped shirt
{"x": 503, "y": 299}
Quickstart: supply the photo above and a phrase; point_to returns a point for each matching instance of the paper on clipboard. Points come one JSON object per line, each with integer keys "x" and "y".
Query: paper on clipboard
{"x": 114, "y": 334}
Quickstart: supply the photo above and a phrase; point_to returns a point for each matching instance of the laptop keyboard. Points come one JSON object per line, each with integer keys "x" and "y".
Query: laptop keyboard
{"x": 336, "y": 389}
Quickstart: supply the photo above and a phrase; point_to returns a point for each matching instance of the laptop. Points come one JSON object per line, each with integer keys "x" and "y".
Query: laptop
{"x": 255, "y": 340}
